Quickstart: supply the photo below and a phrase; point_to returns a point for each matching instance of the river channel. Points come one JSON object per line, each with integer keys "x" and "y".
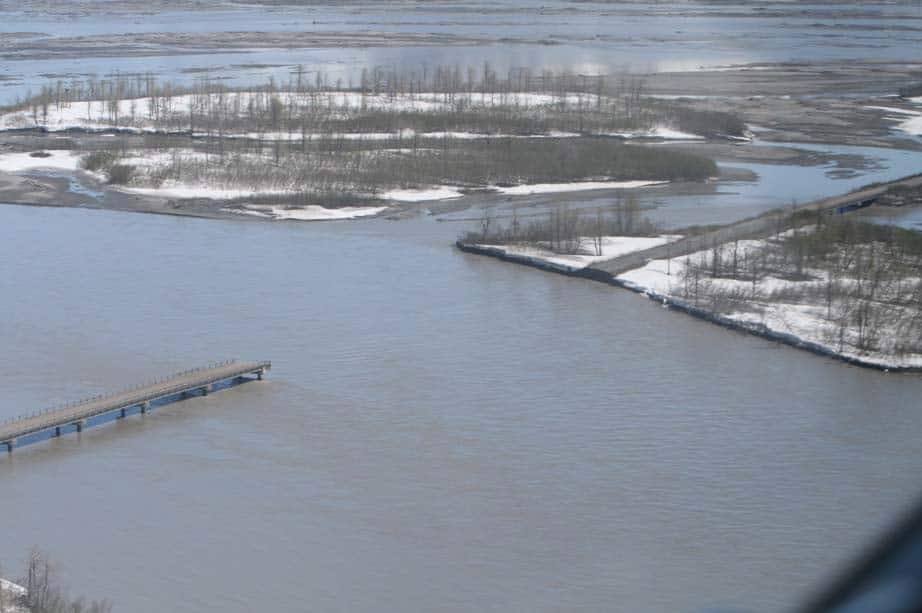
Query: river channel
{"x": 440, "y": 431}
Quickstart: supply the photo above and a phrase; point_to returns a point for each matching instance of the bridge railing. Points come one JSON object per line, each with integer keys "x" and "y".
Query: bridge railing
{"x": 58, "y": 410}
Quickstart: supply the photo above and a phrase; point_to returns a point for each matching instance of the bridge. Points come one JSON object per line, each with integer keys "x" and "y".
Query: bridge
{"x": 75, "y": 416}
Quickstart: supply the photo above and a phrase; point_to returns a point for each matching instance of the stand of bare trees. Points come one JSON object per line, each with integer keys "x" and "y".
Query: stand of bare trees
{"x": 863, "y": 277}
{"x": 44, "y": 594}
{"x": 361, "y": 169}
{"x": 392, "y": 129}
{"x": 474, "y": 99}
{"x": 564, "y": 230}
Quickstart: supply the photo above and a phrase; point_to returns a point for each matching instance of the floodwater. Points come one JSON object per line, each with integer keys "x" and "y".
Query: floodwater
{"x": 910, "y": 219}
{"x": 775, "y": 186}
{"x": 584, "y": 37}
{"x": 440, "y": 431}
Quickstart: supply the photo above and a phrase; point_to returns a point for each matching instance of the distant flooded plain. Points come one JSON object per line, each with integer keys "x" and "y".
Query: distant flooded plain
{"x": 42, "y": 42}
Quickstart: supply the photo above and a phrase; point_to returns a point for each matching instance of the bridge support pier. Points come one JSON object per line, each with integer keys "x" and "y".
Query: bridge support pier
{"x": 9, "y": 445}
{"x": 122, "y": 413}
{"x": 145, "y": 407}
{"x": 206, "y": 390}
{"x": 259, "y": 374}
{"x": 79, "y": 425}
{"x": 57, "y": 430}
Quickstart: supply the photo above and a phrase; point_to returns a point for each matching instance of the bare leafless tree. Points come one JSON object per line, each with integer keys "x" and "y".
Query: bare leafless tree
{"x": 44, "y": 594}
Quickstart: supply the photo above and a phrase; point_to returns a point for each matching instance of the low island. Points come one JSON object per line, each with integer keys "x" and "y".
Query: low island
{"x": 316, "y": 150}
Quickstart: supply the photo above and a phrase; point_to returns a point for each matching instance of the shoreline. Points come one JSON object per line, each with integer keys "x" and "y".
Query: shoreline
{"x": 759, "y": 330}
{"x": 55, "y": 189}
{"x": 79, "y": 189}
{"x": 778, "y": 118}
{"x": 38, "y": 190}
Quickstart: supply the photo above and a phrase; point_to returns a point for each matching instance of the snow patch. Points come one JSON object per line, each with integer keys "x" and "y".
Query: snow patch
{"x": 577, "y": 186}
{"x": 612, "y": 247}
{"x": 892, "y": 109}
{"x": 307, "y": 213}
{"x": 663, "y": 132}
{"x": 423, "y": 195}
{"x": 910, "y": 120}
{"x": 11, "y": 591}
{"x": 184, "y": 190}
{"x": 912, "y": 126}
{"x": 804, "y": 321}
{"x": 55, "y": 160}
{"x": 144, "y": 114}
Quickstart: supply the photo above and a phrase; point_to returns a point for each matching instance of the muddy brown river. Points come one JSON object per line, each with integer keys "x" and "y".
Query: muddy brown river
{"x": 440, "y": 431}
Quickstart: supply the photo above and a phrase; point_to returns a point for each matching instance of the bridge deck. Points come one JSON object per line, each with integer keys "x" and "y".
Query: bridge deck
{"x": 79, "y": 412}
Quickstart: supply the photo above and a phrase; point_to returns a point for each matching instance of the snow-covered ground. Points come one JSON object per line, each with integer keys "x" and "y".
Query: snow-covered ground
{"x": 803, "y": 319}
{"x": 143, "y": 113}
{"x": 910, "y": 120}
{"x": 11, "y": 591}
{"x": 573, "y": 186}
{"x": 174, "y": 189}
{"x": 405, "y": 134}
{"x": 147, "y": 162}
{"x": 663, "y": 132}
{"x": 423, "y": 195}
{"x": 659, "y": 132}
{"x": 307, "y": 213}
{"x": 612, "y": 247}
{"x": 25, "y": 162}
{"x": 176, "y": 113}
{"x": 151, "y": 158}
{"x": 69, "y": 161}
{"x": 446, "y": 192}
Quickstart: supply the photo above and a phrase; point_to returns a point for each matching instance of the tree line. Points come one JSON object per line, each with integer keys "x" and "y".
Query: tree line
{"x": 863, "y": 276}
{"x": 473, "y": 99}
{"x": 565, "y": 230}
{"x": 374, "y": 167}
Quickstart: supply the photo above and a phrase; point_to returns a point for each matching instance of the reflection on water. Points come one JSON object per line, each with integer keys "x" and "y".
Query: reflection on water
{"x": 607, "y": 37}
{"x": 440, "y": 431}
{"x": 780, "y": 185}
{"x": 910, "y": 219}
{"x": 777, "y": 185}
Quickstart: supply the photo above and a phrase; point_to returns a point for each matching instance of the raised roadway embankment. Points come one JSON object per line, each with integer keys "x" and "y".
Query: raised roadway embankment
{"x": 757, "y": 227}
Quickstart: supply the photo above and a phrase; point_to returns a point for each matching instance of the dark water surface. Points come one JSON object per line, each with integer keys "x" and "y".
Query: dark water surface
{"x": 440, "y": 431}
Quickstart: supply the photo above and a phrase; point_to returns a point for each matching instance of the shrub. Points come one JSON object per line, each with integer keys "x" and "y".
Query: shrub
{"x": 98, "y": 160}
{"x": 120, "y": 174}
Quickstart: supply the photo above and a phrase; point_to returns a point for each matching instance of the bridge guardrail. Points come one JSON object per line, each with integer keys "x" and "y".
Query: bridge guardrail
{"x": 97, "y": 405}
